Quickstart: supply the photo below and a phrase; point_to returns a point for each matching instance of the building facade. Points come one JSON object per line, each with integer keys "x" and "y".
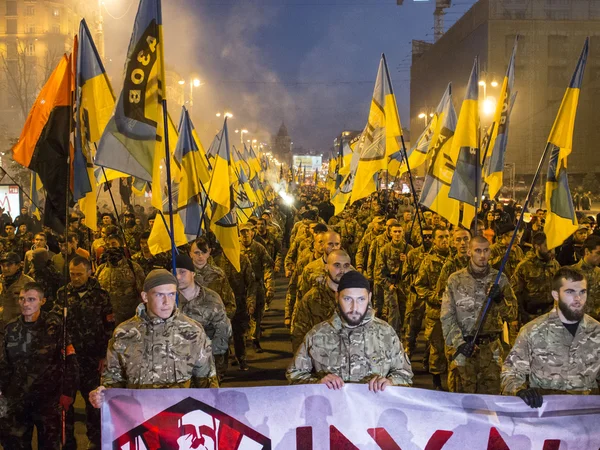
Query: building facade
{"x": 551, "y": 36}
{"x": 34, "y": 34}
{"x": 281, "y": 145}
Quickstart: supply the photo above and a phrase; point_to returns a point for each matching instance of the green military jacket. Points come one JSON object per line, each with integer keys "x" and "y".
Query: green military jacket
{"x": 426, "y": 282}
{"x": 546, "y": 356}
{"x": 214, "y": 278}
{"x": 592, "y": 275}
{"x": 155, "y": 353}
{"x": 355, "y": 354}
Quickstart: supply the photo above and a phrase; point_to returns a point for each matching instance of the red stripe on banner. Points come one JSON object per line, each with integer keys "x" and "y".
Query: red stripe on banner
{"x": 304, "y": 438}
{"x": 551, "y": 444}
{"x": 338, "y": 441}
{"x": 438, "y": 440}
{"x": 496, "y": 442}
{"x": 383, "y": 439}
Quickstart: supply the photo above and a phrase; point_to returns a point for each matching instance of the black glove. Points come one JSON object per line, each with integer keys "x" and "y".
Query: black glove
{"x": 466, "y": 349}
{"x": 495, "y": 293}
{"x": 531, "y": 397}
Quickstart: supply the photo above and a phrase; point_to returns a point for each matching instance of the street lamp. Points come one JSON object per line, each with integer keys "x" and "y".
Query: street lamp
{"x": 242, "y": 132}
{"x": 226, "y": 114}
{"x": 194, "y": 82}
{"x": 489, "y": 105}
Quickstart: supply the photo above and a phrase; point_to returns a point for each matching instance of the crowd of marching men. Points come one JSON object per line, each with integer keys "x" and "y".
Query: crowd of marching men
{"x": 362, "y": 286}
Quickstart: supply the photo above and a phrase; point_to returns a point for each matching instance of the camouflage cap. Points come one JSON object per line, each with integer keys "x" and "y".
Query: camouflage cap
{"x": 379, "y": 219}
{"x": 11, "y": 258}
{"x": 246, "y": 226}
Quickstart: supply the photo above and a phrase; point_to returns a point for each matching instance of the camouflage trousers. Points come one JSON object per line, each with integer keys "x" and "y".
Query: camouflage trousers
{"x": 435, "y": 339}
{"x": 239, "y": 326}
{"x": 415, "y": 310}
{"x": 17, "y": 427}
{"x": 259, "y": 311}
{"x": 290, "y": 296}
{"x": 89, "y": 379}
{"x": 479, "y": 374}
{"x": 394, "y": 309}
{"x": 379, "y": 301}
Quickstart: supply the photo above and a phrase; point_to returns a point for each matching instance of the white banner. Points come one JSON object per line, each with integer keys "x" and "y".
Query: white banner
{"x": 311, "y": 417}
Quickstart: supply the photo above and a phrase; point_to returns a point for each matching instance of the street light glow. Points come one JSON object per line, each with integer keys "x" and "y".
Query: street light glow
{"x": 422, "y": 115}
{"x": 181, "y": 82}
{"x": 494, "y": 83}
{"x": 244, "y": 131}
{"x": 482, "y": 83}
{"x": 196, "y": 82}
{"x": 489, "y": 105}
{"x": 219, "y": 115}
{"x": 228, "y": 114}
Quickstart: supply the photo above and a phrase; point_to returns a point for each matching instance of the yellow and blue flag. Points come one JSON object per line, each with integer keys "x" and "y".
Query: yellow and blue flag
{"x": 221, "y": 179}
{"x": 499, "y": 138}
{"x": 94, "y": 103}
{"x": 561, "y": 221}
{"x": 438, "y": 179}
{"x": 133, "y": 140}
{"x": 226, "y": 232}
{"x": 465, "y": 154}
{"x": 35, "y": 187}
{"x": 380, "y": 138}
{"x": 188, "y": 153}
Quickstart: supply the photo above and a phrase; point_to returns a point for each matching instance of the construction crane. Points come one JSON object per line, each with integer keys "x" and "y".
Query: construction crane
{"x": 438, "y": 16}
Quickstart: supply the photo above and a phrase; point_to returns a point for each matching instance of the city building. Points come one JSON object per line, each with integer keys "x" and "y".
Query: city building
{"x": 34, "y": 34}
{"x": 552, "y": 34}
{"x": 281, "y": 145}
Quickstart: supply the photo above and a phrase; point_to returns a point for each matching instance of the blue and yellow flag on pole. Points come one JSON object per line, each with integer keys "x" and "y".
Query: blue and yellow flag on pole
{"x": 221, "y": 176}
{"x": 417, "y": 156}
{"x": 438, "y": 179}
{"x": 499, "y": 138}
{"x": 464, "y": 151}
{"x": 133, "y": 141}
{"x": 94, "y": 103}
{"x": 36, "y": 185}
{"x": 561, "y": 221}
{"x": 189, "y": 154}
{"x": 381, "y": 137}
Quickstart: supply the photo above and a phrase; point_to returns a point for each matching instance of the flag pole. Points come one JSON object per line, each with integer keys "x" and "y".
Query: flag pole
{"x": 486, "y": 308}
{"x": 479, "y": 181}
{"x": 404, "y": 152}
{"x": 169, "y": 187}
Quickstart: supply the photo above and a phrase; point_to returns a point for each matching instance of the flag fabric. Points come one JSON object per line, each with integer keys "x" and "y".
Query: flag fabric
{"x": 438, "y": 179}
{"x": 221, "y": 179}
{"x": 133, "y": 140}
{"x": 159, "y": 240}
{"x": 499, "y": 138}
{"x": 465, "y": 153}
{"x": 381, "y": 136}
{"x": 44, "y": 144}
{"x": 344, "y": 191}
{"x": 561, "y": 221}
{"x": 188, "y": 153}
{"x": 36, "y": 185}
{"x": 226, "y": 231}
{"x": 94, "y": 103}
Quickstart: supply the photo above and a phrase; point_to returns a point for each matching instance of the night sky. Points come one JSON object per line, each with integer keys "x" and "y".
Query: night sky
{"x": 311, "y": 63}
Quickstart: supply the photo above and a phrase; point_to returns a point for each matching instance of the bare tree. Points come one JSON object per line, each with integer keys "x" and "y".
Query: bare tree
{"x": 20, "y": 77}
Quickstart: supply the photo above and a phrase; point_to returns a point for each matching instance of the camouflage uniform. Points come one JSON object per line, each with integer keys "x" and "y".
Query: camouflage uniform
{"x": 592, "y": 275}
{"x": 214, "y": 278}
{"x": 387, "y": 272}
{"x": 362, "y": 254}
{"x": 453, "y": 264}
{"x": 291, "y": 296}
{"x": 155, "y": 353}
{"x": 14, "y": 244}
{"x": 425, "y": 286}
{"x": 307, "y": 278}
{"x": 9, "y": 296}
{"x": 124, "y": 282}
{"x": 208, "y": 310}
{"x": 262, "y": 265}
{"x": 378, "y": 295}
{"x": 532, "y": 284}
{"x": 273, "y": 247}
{"x": 90, "y": 321}
{"x": 497, "y": 252}
{"x": 159, "y": 261}
{"x": 315, "y": 307}
{"x": 243, "y": 284}
{"x": 31, "y": 368}
{"x": 354, "y": 354}
{"x": 415, "y": 305}
{"x": 349, "y": 231}
{"x": 547, "y": 357}
{"x": 462, "y": 303}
